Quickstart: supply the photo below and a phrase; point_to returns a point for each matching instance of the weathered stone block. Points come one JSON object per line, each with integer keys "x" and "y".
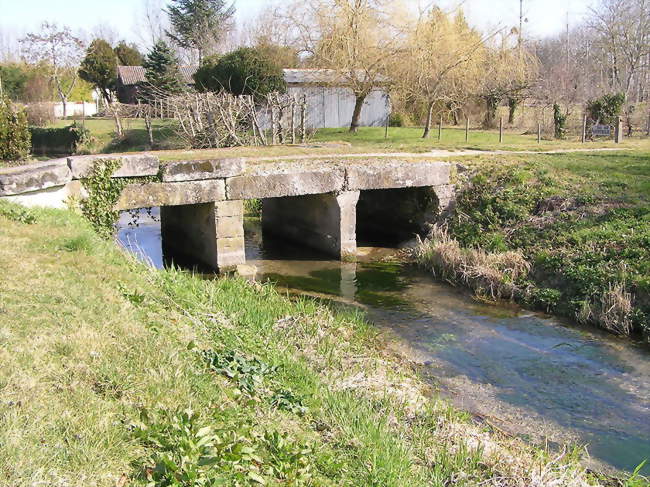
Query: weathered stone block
{"x": 230, "y": 226}
{"x": 133, "y": 165}
{"x": 397, "y": 175}
{"x": 231, "y": 252}
{"x": 202, "y": 169}
{"x": 34, "y": 177}
{"x": 274, "y": 185}
{"x": 229, "y": 208}
{"x": 170, "y": 194}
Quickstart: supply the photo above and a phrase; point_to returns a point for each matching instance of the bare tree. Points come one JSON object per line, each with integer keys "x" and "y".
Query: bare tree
{"x": 356, "y": 39}
{"x": 60, "y": 51}
{"x": 622, "y": 30}
{"x": 442, "y": 63}
{"x": 508, "y": 71}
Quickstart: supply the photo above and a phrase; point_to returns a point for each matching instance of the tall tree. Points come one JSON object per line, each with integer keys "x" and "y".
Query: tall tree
{"x": 60, "y": 51}
{"x": 507, "y": 72}
{"x": 128, "y": 54}
{"x": 358, "y": 40}
{"x": 162, "y": 71}
{"x": 99, "y": 67}
{"x": 199, "y": 24}
{"x": 443, "y": 63}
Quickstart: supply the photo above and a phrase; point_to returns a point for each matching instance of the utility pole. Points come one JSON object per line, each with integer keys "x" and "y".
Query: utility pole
{"x": 521, "y": 23}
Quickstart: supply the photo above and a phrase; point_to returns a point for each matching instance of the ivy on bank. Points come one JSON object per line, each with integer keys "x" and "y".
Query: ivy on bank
{"x": 103, "y": 192}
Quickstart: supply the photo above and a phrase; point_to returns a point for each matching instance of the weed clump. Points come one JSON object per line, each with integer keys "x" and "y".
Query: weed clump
{"x": 492, "y": 275}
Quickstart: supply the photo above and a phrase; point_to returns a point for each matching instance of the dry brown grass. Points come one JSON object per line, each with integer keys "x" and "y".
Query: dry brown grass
{"x": 492, "y": 275}
{"x": 611, "y": 310}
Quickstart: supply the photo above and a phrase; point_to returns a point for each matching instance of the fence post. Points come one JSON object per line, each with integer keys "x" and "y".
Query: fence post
{"x": 467, "y": 129}
{"x": 274, "y": 136}
{"x": 440, "y": 129}
{"x": 303, "y": 119}
{"x": 584, "y": 129}
{"x": 293, "y": 121}
{"x": 501, "y": 130}
{"x": 618, "y": 131}
{"x": 539, "y": 132}
{"x": 647, "y": 130}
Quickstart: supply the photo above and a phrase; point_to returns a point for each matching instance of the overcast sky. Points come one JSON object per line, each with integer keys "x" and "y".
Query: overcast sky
{"x": 17, "y": 17}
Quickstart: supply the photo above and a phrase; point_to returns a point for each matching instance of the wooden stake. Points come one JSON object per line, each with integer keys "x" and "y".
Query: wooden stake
{"x": 584, "y": 129}
{"x": 618, "y": 131}
{"x": 293, "y": 121}
{"x": 303, "y": 119}
{"x": 440, "y": 129}
{"x": 467, "y": 129}
{"x": 386, "y": 126}
{"x": 539, "y": 133}
{"x": 501, "y": 130}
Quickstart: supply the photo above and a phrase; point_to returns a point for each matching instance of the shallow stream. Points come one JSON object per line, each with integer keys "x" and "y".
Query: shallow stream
{"x": 526, "y": 373}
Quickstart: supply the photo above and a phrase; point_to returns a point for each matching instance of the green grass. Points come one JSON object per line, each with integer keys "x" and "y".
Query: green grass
{"x": 115, "y": 373}
{"x": 410, "y": 139}
{"x": 581, "y": 219}
{"x": 368, "y": 139}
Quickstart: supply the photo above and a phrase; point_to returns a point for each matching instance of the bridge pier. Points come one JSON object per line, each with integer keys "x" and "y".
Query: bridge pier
{"x": 325, "y": 222}
{"x": 208, "y": 234}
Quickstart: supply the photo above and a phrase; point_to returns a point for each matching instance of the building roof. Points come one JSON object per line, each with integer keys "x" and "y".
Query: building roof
{"x": 132, "y": 75}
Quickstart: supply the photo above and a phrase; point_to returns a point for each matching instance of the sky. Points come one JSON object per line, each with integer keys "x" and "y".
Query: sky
{"x": 545, "y": 17}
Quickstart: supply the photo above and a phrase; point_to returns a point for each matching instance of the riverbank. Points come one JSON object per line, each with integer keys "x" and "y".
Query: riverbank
{"x": 568, "y": 234}
{"x": 103, "y": 359}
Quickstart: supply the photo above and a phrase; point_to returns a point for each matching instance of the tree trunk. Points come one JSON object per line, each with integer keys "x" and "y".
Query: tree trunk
{"x": 513, "y": 103}
{"x": 356, "y": 115}
{"x": 491, "y": 104}
{"x": 427, "y": 125}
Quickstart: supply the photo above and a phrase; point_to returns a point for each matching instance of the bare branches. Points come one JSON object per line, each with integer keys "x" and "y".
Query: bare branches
{"x": 59, "y": 51}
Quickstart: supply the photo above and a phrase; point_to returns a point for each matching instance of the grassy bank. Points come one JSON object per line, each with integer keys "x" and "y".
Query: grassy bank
{"x": 371, "y": 139}
{"x": 565, "y": 233}
{"x": 116, "y": 374}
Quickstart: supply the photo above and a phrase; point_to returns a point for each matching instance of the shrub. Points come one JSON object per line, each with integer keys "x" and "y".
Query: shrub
{"x": 67, "y": 140}
{"x": 606, "y": 109}
{"x": 14, "y": 132}
{"x": 246, "y": 71}
{"x": 400, "y": 119}
{"x": 40, "y": 114}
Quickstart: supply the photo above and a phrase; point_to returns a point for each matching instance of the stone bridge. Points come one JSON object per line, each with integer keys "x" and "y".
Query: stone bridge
{"x": 323, "y": 203}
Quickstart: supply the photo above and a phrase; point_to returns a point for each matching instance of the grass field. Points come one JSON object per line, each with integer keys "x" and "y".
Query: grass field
{"x": 369, "y": 139}
{"x": 116, "y": 374}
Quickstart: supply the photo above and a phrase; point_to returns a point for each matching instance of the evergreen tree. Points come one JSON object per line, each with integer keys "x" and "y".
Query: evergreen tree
{"x": 99, "y": 67}
{"x": 199, "y": 24}
{"x": 246, "y": 71}
{"x": 128, "y": 55}
{"x": 161, "y": 71}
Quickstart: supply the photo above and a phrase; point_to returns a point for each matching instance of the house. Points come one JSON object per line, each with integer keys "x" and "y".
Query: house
{"x": 130, "y": 78}
{"x": 329, "y": 102}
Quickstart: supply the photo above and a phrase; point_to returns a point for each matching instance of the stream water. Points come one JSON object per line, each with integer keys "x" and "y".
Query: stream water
{"x": 527, "y": 373}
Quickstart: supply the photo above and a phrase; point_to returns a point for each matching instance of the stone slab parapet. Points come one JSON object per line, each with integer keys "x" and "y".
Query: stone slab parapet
{"x": 205, "y": 169}
{"x": 276, "y": 184}
{"x": 171, "y": 194}
{"x": 133, "y": 165}
{"x": 34, "y": 177}
{"x": 396, "y": 174}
